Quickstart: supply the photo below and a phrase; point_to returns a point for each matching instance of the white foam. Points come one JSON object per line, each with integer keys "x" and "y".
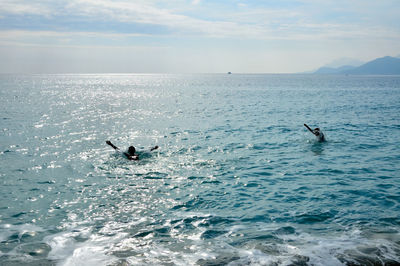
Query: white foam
{"x": 7, "y": 230}
{"x": 94, "y": 251}
{"x": 322, "y": 250}
{"x": 79, "y": 245}
{"x": 88, "y": 254}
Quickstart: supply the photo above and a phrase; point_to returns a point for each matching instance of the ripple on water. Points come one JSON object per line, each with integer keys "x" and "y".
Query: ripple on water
{"x": 237, "y": 179}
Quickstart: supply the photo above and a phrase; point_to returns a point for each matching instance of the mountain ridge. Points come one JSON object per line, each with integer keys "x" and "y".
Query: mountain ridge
{"x": 380, "y": 66}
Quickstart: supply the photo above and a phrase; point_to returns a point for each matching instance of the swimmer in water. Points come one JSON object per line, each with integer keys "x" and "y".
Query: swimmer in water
{"x": 317, "y": 132}
{"x": 131, "y": 152}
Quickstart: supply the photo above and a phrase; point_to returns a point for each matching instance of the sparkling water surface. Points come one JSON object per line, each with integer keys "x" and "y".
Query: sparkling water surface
{"x": 237, "y": 179}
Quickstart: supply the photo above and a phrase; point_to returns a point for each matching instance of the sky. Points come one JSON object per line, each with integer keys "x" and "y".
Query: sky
{"x": 193, "y": 36}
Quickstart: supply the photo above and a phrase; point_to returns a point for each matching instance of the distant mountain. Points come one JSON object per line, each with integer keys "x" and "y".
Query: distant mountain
{"x": 333, "y": 70}
{"x": 381, "y": 66}
{"x": 345, "y": 61}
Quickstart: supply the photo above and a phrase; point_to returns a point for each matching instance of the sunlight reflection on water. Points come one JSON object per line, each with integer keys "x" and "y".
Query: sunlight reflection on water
{"x": 237, "y": 178}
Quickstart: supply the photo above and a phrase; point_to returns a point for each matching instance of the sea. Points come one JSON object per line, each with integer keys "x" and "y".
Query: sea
{"x": 237, "y": 178}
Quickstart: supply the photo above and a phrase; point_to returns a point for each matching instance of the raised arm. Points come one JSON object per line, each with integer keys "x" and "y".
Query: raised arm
{"x": 309, "y": 129}
{"x": 154, "y": 148}
{"x": 112, "y": 145}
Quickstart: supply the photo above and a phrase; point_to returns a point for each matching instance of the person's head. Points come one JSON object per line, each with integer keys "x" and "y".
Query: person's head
{"x": 316, "y": 131}
{"x": 131, "y": 150}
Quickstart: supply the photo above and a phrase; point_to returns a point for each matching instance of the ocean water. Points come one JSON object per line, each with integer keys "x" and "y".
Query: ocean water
{"x": 237, "y": 180}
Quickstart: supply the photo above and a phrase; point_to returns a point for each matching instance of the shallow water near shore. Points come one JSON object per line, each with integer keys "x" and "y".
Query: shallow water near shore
{"x": 237, "y": 179}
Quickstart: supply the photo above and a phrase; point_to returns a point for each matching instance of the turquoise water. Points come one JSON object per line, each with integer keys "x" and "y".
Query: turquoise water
{"x": 237, "y": 180}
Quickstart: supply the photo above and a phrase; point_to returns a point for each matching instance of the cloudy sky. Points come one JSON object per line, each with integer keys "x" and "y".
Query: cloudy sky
{"x": 181, "y": 36}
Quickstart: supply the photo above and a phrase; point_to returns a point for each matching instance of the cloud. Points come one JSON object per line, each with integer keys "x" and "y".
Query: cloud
{"x": 254, "y": 23}
{"x": 145, "y": 13}
{"x": 18, "y": 34}
{"x": 253, "y": 35}
{"x": 26, "y": 38}
{"x": 20, "y": 7}
{"x": 124, "y": 11}
{"x": 144, "y": 18}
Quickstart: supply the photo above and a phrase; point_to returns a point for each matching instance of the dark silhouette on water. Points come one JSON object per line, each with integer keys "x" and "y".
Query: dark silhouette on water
{"x": 131, "y": 153}
{"x": 317, "y": 132}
